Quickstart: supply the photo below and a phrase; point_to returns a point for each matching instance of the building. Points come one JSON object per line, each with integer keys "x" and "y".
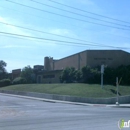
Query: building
{"x": 48, "y": 76}
{"x": 15, "y": 73}
{"x": 52, "y": 68}
{"x": 93, "y": 58}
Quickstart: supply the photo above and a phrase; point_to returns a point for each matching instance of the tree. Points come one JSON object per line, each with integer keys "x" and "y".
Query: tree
{"x": 86, "y": 73}
{"x": 122, "y": 72}
{"x": 27, "y": 73}
{"x": 5, "y": 82}
{"x": 2, "y": 66}
{"x": 68, "y": 75}
{"x": 90, "y": 75}
{"x": 78, "y": 76}
{"x": 3, "y": 72}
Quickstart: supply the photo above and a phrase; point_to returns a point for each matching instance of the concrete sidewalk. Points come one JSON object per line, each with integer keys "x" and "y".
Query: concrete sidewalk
{"x": 120, "y": 105}
{"x": 67, "y": 102}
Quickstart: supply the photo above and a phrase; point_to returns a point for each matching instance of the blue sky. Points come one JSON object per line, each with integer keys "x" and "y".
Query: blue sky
{"x": 19, "y": 52}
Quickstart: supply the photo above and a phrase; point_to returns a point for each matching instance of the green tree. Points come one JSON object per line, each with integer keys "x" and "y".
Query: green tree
{"x": 90, "y": 75}
{"x": 5, "y": 82}
{"x": 78, "y": 76}
{"x": 122, "y": 72}
{"x": 110, "y": 76}
{"x": 3, "y": 73}
{"x": 28, "y": 74}
{"x": 86, "y": 74}
{"x": 68, "y": 75}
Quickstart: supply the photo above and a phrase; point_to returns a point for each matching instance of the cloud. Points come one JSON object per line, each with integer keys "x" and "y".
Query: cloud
{"x": 8, "y": 41}
{"x": 63, "y": 32}
{"x": 60, "y": 31}
{"x": 15, "y": 46}
{"x": 11, "y": 29}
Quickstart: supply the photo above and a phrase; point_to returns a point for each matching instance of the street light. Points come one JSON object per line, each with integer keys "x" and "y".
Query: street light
{"x": 102, "y": 72}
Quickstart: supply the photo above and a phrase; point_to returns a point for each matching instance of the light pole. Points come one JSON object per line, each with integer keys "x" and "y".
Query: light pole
{"x": 117, "y": 85}
{"x": 102, "y": 72}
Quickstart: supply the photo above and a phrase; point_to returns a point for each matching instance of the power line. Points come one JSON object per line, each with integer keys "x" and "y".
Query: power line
{"x": 54, "y": 40}
{"x": 49, "y": 33}
{"x": 42, "y": 41}
{"x": 88, "y": 12}
{"x": 68, "y": 16}
{"x": 94, "y": 43}
{"x": 78, "y": 14}
{"x": 61, "y": 22}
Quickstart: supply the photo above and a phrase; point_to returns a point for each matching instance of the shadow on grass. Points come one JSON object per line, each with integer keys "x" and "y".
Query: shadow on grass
{"x": 115, "y": 92}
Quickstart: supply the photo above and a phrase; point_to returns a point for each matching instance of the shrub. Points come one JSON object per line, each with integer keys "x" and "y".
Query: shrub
{"x": 5, "y": 82}
{"x": 68, "y": 75}
{"x": 19, "y": 80}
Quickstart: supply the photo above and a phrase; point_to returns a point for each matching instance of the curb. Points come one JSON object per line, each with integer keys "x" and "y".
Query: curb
{"x": 56, "y": 101}
{"x": 48, "y": 100}
{"x": 120, "y": 106}
{"x": 67, "y": 102}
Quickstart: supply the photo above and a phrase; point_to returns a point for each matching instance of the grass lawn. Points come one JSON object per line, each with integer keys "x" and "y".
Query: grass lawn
{"x": 75, "y": 89}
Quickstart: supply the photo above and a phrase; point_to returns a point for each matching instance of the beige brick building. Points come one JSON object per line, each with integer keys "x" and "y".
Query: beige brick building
{"x": 93, "y": 58}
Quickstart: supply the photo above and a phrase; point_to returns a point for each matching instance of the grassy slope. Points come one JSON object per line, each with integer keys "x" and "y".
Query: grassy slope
{"x": 82, "y": 90}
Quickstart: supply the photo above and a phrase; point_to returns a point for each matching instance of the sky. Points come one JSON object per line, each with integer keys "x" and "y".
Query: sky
{"x": 33, "y": 29}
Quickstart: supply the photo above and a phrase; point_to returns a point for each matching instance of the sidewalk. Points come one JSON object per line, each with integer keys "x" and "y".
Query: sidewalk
{"x": 67, "y": 102}
{"x": 119, "y": 106}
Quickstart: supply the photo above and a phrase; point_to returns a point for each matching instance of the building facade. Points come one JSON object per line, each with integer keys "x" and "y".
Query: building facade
{"x": 53, "y": 68}
{"x": 15, "y": 73}
{"x": 93, "y": 58}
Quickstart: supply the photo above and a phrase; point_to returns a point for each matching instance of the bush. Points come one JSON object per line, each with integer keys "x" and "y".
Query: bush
{"x": 5, "y": 82}
{"x": 68, "y": 75}
{"x": 19, "y": 80}
{"x": 28, "y": 74}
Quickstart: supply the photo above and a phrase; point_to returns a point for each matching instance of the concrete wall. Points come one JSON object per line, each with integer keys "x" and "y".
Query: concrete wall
{"x": 122, "y": 99}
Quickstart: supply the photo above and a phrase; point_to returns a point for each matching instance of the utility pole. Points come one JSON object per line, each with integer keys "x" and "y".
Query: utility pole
{"x": 102, "y": 72}
{"x": 117, "y": 86}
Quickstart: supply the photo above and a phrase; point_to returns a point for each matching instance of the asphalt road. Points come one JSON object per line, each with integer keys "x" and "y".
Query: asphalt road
{"x": 26, "y": 114}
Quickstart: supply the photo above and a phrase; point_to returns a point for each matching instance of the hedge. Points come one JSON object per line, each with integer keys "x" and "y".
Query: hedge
{"x": 5, "y": 82}
{"x": 19, "y": 80}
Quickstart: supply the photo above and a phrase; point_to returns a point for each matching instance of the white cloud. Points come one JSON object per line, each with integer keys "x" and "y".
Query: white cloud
{"x": 60, "y": 31}
{"x": 23, "y": 42}
{"x": 11, "y": 29}
{"x": 15, "y": 46}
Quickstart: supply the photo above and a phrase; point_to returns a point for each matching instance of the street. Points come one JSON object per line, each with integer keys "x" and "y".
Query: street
{"x": 26, "y": 114}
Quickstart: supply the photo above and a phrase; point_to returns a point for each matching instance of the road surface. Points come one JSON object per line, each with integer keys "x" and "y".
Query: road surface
{"x": 26, "y": 114}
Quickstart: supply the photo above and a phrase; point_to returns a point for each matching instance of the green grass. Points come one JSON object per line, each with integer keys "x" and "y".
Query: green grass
{"x": 82, "y": 90}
